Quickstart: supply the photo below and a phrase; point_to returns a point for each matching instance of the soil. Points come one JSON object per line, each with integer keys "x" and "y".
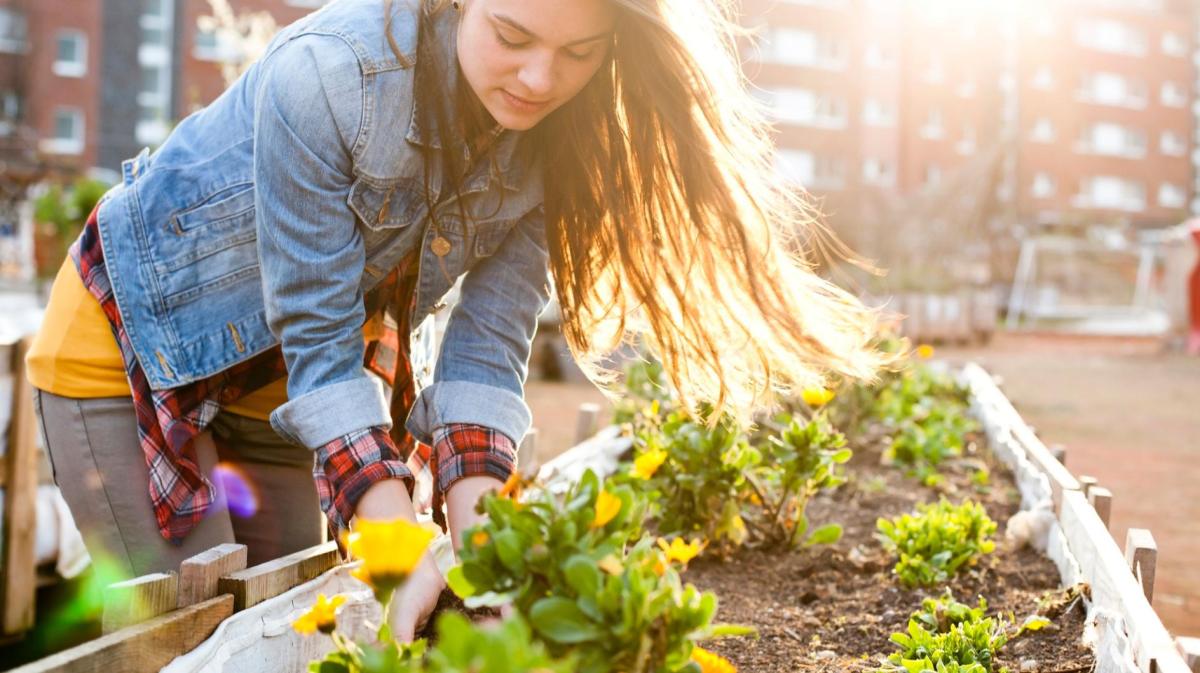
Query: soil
{"x": 448, "y": 601}
{"x": 833, "y": 608}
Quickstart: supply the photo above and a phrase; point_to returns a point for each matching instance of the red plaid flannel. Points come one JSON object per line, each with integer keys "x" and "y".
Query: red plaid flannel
{"x": 170, "y": 420}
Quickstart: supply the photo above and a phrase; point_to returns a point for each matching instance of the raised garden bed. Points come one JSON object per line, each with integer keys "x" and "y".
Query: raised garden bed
{"x": 831, "y": 606}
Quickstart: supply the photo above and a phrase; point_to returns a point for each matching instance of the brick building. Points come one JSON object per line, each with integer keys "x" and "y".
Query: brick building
{"x": 1082, "y": 107}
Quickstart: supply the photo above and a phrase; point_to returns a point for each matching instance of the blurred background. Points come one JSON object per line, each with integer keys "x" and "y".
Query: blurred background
{"x": 1025, "y": 170}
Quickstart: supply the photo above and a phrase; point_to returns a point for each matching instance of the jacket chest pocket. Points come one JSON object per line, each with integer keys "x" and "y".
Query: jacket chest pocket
{"x": 394, "y": 206}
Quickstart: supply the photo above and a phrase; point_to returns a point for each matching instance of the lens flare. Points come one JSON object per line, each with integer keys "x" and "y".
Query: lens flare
{"x": 240, "y": 495}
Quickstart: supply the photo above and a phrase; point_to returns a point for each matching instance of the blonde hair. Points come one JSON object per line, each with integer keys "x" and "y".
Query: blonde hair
{"x": 668, "y": 224}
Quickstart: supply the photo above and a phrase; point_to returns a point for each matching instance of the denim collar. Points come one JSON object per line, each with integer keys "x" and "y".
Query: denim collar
{"x": 423, "y": 127}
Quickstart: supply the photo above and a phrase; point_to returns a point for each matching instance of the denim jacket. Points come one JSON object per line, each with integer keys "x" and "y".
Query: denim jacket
{"x": 265, "y": 217}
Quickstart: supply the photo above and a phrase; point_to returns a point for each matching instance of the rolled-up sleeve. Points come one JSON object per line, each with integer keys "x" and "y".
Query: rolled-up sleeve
{"x": 484, "y": 358}
{"x": 308, "y": 115}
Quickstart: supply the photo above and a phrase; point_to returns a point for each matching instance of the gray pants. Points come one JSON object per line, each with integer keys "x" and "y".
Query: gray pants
{"x": 98, "y": 464}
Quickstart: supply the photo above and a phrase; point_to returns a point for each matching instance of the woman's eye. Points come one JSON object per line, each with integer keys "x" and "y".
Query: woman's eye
{"x": 508, "y": 44}
{"x": 580, "y": 57}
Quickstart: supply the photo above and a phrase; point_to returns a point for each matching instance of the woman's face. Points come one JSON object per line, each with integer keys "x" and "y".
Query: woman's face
{"x": 524, "y": 58}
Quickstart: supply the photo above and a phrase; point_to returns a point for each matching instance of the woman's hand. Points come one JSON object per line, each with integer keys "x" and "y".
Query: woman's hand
{"x": 415, "y": 601}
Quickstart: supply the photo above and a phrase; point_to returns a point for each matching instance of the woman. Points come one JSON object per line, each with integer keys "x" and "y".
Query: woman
{"x": 373, "y": 155}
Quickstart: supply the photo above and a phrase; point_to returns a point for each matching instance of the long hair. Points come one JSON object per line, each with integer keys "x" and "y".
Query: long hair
{"x": 669, "y": 226}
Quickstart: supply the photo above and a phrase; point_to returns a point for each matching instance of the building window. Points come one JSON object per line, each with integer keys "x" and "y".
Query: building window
{"x": 13, "y": 31}
{"x": 1110, "y": 36}
{"x": 933, "y": 129}
{"x": 966, "y": 145}
{"x": 1042, "y": 131}
{"x": 1171, "y": 196}
{"x": 1173, "y": 95}
{"x": 933, "y": 175}
{"x": 1113, "y": 140}
{"x": 1112, "y": 193}
{"x": 808, "y": 108}
{"x": 878, "y": 172}
{"x": 1172, "y": 144}
{"x": 878, "y": 113}
{"x": 793, "y": 46}
{"x": 66, "y": 136}
{"x": 1043, "y": 186}
{"x": 1105, "y": 88}
{"x": 811, "y": 171}
{"x": 154, "y": 57}
{"x": 71, "y": 54}
{"x": 1043, "y": 78}
{"x": 215, "y": 45}
{"x": 1174, "y": 44}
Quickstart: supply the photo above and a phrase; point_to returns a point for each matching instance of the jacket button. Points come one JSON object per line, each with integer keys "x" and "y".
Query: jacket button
{"x": 440, "y": 246}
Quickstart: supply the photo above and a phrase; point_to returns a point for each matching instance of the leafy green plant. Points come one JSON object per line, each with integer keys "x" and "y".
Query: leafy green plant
{"x": 797, "y": 463}
{"x": 698, "y": 487}
{"x": 567, "y": 567}
{"x": 507, "y": 647}
{"x": 940, "y": 538}
{"x": 923, "y": 443}
{"x": 646, "y": 397}
{"x": 947, "y": 636}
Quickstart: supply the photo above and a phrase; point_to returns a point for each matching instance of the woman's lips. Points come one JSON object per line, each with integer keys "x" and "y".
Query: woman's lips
{"x": 522, "y": 104}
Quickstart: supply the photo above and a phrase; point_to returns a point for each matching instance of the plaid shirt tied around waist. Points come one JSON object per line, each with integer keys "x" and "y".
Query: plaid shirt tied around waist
{"x": 169, "y": 420}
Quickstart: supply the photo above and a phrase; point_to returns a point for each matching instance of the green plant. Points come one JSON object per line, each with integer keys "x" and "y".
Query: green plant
{"x": 61, "y": 214}
{"x": 797, "y": 463}
{"x": 646, "y": 394}
{"x": 507, "y": 647}
{"x": 948, "y": 636}
{"x": 697, "y": 489}
{"x": 567, "y": 567}
{"x": 924, "y": 442}
{"x": 940, "y": 538}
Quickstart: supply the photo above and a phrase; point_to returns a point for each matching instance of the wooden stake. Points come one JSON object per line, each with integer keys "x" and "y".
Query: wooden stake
{"x": 144, "y": 647}
{"x": 138, "y": 599}
{"x": 19, "y": 463}
{"x": 1059, "y": 452}
{"x": 1101, "y": 499}
{"x": 1141, "y": 554}
{"x": 1087, "y": 483}
{"x": 199, "y": 575}
{"x": 585, "y": 427}
{"x": 255, "y": 585}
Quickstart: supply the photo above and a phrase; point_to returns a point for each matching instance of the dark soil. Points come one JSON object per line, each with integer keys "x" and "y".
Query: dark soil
{"x": 833, "y": 608}
{"x": 447, "y": 601}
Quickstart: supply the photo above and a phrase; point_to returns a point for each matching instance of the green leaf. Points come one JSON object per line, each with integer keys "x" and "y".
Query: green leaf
{"x": 458, "y": 583}
{"x": 582, "y": 574}
{"x": 561, "y": 621}
{"x": 508, "y": 548}
{"x": 827, "y": 534}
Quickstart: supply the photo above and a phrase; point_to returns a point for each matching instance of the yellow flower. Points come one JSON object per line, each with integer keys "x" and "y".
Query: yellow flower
{"x": 754, "y": 499}
{"x": 607, "y": 507}
{"x": 710, "y": 662}
{"x": 512, "y": 487}
{"x": 679, "y": 551}
{"x": 389, "y": 551}
{"x": 611, "y": 565}
{"x": 816, "y": 397}
{"x": 322, "y": 616}
{"x": 480, "y": 538}
{"x": 648, "y": 463}
{"x": 925, "y": 351}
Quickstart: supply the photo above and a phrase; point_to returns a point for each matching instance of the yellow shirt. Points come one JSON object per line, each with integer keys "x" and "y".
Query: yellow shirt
{"x": 75, "y": 354}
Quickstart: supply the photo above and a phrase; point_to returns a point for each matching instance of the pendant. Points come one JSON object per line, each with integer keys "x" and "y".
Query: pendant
{"x": 440, "y": 246}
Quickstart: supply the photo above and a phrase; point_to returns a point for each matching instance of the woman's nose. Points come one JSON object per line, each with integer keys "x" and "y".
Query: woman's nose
{"x": 537, "y": 76}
